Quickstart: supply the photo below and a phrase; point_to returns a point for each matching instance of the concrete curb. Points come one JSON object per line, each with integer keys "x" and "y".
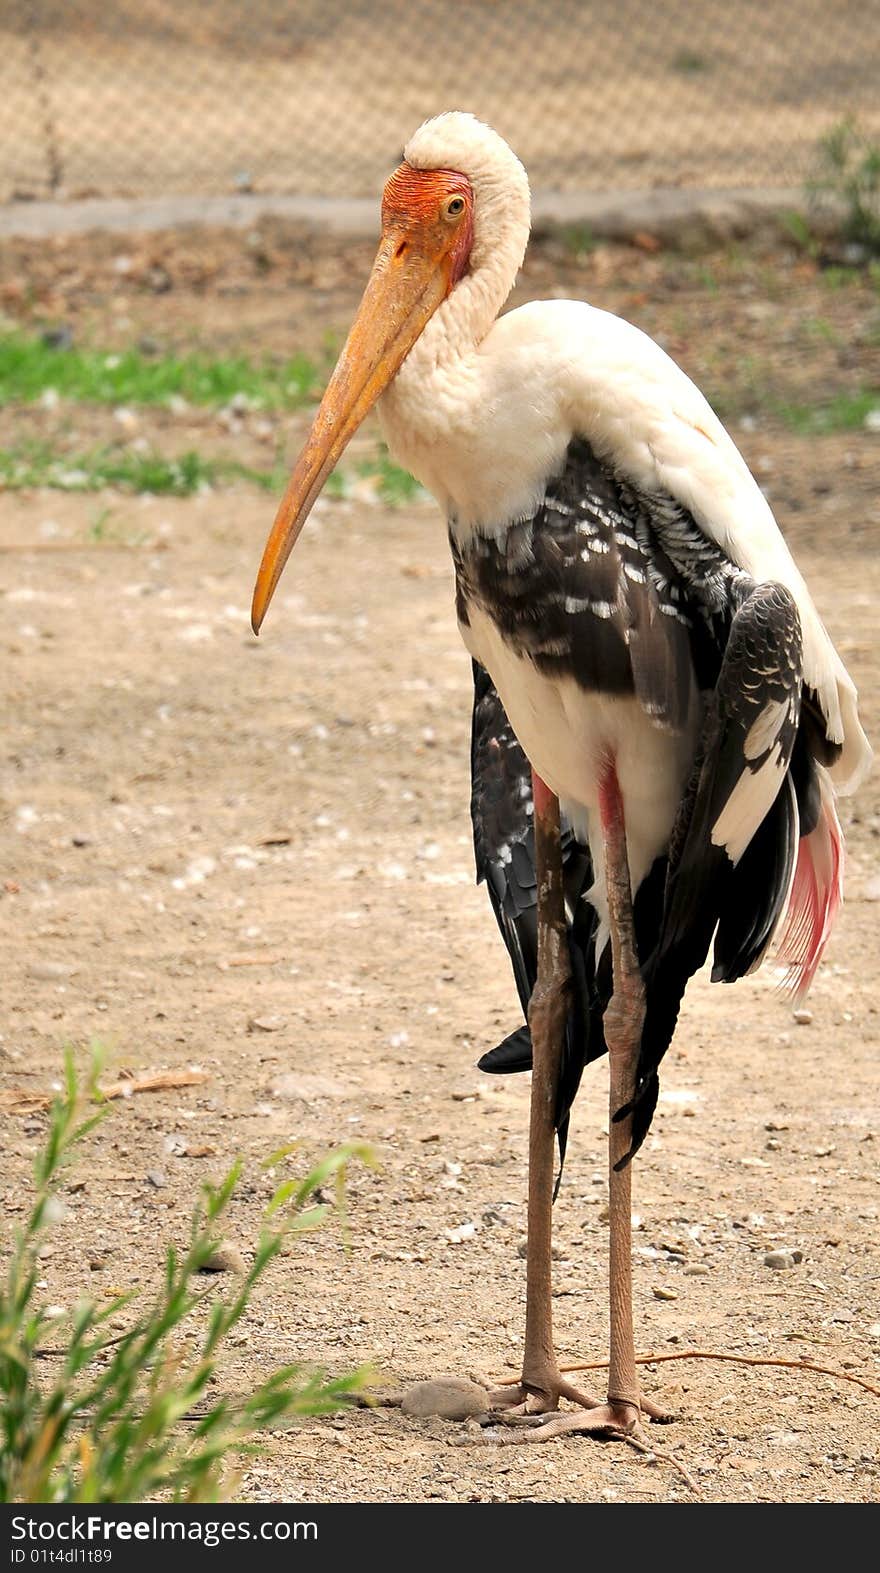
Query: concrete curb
{"x": 676, "y": 216}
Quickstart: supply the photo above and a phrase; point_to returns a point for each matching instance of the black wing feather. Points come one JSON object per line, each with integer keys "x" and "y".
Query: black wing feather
{"x": 705, "y": 890}
{"x": 625, "y": 593}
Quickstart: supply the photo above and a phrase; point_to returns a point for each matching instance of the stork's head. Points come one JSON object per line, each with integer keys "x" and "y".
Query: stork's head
{"x": 455, "y": 212}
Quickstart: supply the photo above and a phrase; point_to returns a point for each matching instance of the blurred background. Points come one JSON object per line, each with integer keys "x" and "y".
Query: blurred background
{"x": 147, "y": 97}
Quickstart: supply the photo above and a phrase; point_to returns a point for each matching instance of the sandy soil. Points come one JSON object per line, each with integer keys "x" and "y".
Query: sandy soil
{"x": 202, "y": 831}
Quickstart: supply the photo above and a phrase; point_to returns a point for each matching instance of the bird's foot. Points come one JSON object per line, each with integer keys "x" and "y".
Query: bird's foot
{"x": 614, "y": 1421}
{"x": 535, "y": 1394}
{"x": 607, "y": 1421}
{"x": 530, "y": 1404}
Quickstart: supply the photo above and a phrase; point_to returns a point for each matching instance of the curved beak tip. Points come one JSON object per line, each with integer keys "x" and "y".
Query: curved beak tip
{"x": 259, "y": 608}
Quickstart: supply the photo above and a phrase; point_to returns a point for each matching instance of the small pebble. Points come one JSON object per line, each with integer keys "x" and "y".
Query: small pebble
{"x": 225, "y": 1260}
{"x": 59, "y": 338}
{"x": 696, "y": 1270}
{"x": 781, "y": 1260}
{"x": 464, "y": 1231}
{"x": 49, "y": 971}
{"x": 156, "y": 1178}
{"x": 660, "y": 1292}
{"x": 267, "y": 1024}
{"x": 446, "y": 1398}
{"x": 802, "y": 1016}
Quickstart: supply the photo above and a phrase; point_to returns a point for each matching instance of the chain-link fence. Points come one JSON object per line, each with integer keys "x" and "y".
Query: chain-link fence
{"x": 149, "y": 97}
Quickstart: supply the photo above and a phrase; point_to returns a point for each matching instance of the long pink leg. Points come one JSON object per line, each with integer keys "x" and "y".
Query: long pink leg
{"x": 547, "y": 1013}
{"x": 623, "y": 1023}
{"x": 541, "y": 1385}
{"x": 623, "y": 1028}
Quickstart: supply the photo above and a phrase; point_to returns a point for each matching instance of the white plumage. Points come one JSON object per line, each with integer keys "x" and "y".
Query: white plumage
{"x": 647, "y": 652}
{"x": 482, "y": 412}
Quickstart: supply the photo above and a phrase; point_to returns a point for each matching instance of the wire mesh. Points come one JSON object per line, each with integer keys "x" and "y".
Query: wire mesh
{"x": 153, "y": 97}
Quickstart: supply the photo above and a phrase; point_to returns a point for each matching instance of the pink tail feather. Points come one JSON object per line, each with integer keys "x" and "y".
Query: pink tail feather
{"x": 816, "y": 895}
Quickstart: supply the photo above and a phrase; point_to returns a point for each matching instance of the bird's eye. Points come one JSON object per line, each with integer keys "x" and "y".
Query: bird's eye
{"x": 454, "y": 207}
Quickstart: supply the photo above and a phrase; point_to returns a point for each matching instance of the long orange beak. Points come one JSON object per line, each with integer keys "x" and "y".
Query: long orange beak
{"x": 411, "y": 276}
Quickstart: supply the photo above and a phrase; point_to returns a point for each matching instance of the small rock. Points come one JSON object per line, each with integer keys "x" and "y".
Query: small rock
{"x": 156, "y": 1178}
{"x": 464, "y": 1231}
{"x": 781, "y": 1260}
{"x": 267, "y": 1024}
{"x": 59, "y": 338}
{"x": 491, "y": 1215}
{"x": 49, "y": 971}
{"x": 225, "y": 1260}
{"x": 802, "y": 1016}
{"x": 446, "y": 1398}
{"x": 660, "y": 1292}
{"x": 696, "y": 1270}
{"x": 871, "y": 891}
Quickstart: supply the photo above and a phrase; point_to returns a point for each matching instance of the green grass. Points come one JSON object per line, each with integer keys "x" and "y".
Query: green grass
{"x": 29, "y": 368}
{"x": 36, "y": 464}
{"x": 820, "y": 330}
{"x": 393, "y": 485}
{"x": 578, "y": 240}
{"x": 842, "y": 412}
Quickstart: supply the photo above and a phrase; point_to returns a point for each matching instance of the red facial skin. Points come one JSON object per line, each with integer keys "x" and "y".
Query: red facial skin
{"x": 415, "y": 199}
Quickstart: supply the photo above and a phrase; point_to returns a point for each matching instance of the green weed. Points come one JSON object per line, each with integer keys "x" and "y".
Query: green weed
{"x": 86, "y": 1417}
{"x": 849, "y": 172}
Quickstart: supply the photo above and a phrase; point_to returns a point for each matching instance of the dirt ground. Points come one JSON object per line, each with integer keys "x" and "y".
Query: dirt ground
{"x": 253, "y": 857}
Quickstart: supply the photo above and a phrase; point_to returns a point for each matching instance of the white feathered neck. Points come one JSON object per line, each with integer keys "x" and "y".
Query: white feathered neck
{"x": 502, "y": 220}
{"x": 482, "y": 411}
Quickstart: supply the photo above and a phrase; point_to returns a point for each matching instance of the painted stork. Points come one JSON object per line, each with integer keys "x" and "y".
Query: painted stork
{"x": 660, "y": 718}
